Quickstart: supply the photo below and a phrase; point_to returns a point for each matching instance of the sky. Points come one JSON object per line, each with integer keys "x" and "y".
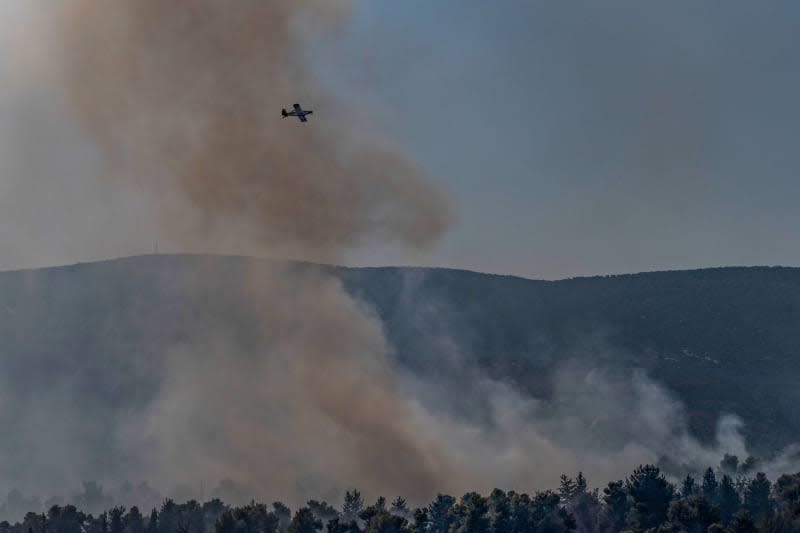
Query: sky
{"x": 574, "y": 138}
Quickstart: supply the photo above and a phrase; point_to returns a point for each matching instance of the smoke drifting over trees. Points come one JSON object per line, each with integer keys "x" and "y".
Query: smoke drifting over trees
{"x": 297, "y": 397}
{"x": 182, "y": 101}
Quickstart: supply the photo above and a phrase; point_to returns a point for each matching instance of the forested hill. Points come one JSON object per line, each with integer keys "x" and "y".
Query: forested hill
{"x": 725, "y": 340}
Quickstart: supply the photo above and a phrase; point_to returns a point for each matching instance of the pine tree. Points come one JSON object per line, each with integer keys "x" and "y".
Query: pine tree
{"x": 440, "y": 513}
{"x": 304, "y": 521}
{"x": 756, "y": 497}
{"x": 729, "y": 501}
{"x": 651, "y": 494}
{"x": 689, "y": 486}
{"x": 400, "y": 508}
{"x": 710, "y": 485}
{"x": 500, "y": 511}
{"x": 616, "y": 509}
{"x": 566, "y": 488}
{"x": 353, "y": 504}
{"x": 134, "y": 522}
{"x": 152, "y": 524}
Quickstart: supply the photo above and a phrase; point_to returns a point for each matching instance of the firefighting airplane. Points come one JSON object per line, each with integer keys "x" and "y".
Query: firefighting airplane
{"x": 298, "y": 112}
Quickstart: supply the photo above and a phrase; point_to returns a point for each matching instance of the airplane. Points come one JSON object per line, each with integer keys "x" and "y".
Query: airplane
{"x": 298, "y": 112}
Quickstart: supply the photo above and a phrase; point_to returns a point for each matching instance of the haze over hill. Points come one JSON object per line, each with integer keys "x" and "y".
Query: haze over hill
{"x": 168, "y": 369}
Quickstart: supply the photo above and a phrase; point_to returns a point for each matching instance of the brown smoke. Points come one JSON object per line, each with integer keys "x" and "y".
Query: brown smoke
{"x": 184, "y": 100}
{"x": 185, "y": 97}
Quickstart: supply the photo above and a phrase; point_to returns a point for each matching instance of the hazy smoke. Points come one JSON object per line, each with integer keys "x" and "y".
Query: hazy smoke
{"x": 184, "y": 100}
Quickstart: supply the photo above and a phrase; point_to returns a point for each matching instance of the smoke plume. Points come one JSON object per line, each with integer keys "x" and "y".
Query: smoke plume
{"x": 183, "y": 100}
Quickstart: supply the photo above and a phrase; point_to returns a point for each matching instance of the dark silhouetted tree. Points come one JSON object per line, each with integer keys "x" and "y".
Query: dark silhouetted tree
{"x": 616, "y": 507}
{"x": 473, "y": 514}
{"x": 421, "y": 522}
{"x": 688, "y": 487}
{"x": 116, "y": 515}
{"x": 651, "y": 495}
{"x": 284, "y": 515}
{"x": 440, "y": 514}
{"x": 323, "y": 510}
{"x": 729, "y": 500}
{"x": 787, "y": 495}
{"x": 336, "y": 526}
{"x": 709, "y": 486}
{"x": 742, "y": 523}
{"x": 353, "y": 504}
{"x": 379, "y": 520}
{"x": 134, "y": 521}
{"x": 566, "y": 488}
{"x": 152, "y": 523}
{"x": 500, "y": 511}
{"x": 756, "y": 497}
{"x": 400, "y": 508}
{"x": 547, "y": 516}
{"x": 304, "y": 521}
{"x": 693, "y": 515}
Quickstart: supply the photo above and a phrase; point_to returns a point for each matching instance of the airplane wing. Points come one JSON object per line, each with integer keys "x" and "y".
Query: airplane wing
{"x": 297, "y": 107}
{"x": 302, "y": 118}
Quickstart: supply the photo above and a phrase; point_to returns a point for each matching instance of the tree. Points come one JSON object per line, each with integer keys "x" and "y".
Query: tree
{"x": 337, "y": 526}
{"x": 756, "y": 497}
{"x": 65, "y": 519}
{"x": 379, "y": 520}
{"x": 421, "y": 522}
{"x": 152, "y": 523}
{"x": 500, "y": 509}
{"x": 547, "y": 516}
{"x": 304, "y": 521}
{"x": 566, "y": 488}
{"x": 134, "y": 522}
{"x": 693, "y": 515}
{"x": 473, "y": 514}
{"x": 580, "y": 483}
{"x": 116, "y": 514}
{"x": 323, "y": 510}
{"x": 787, "y": 494}
{"x": 353, "y": 504}
{"x": 168, "y": 519}
{"x": 400, "y": 508}
{"x": 729, "y": 501}
{"x": 521, "y": 512}
{"x": 439, "y": 513}
{"x": 688, "y": 487}
{"x": 616, "y": 507}
{"x": 284, "y": 515}
{"x": 651, "y": 494}
{"x": 710, "y": 485}
{"x": 742, "y": 523}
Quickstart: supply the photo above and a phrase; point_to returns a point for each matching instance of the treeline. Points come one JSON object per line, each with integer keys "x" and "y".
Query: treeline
{"x": 643, "y": 502}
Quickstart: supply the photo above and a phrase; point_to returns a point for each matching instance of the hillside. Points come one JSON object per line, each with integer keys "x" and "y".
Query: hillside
{"x": 725, "y": 340}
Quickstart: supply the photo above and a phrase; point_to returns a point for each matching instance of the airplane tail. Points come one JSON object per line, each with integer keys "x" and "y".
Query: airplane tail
{"x": 284, "y": 114}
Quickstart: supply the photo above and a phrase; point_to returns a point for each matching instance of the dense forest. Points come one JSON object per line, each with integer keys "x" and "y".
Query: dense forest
{"x": 721, "y": 500}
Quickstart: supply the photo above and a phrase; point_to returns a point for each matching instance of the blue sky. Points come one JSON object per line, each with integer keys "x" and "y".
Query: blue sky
{"x": 588, "y": 138}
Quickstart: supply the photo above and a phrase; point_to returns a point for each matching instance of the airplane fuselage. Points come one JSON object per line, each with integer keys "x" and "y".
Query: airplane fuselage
{"x": 298, "y": 112}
